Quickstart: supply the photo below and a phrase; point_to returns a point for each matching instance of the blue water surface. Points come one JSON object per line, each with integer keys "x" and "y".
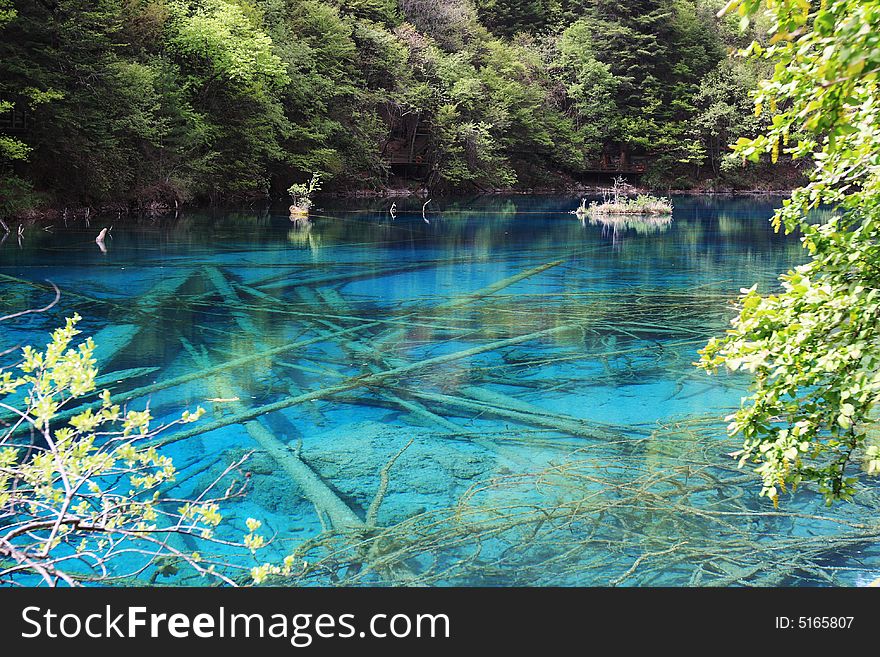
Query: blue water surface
{"x": 548, "y": 423}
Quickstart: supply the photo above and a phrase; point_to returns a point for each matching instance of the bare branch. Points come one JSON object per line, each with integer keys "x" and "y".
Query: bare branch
{"x": 36, "y": 310}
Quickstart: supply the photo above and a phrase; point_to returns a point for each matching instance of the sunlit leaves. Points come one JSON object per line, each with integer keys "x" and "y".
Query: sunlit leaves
{"x": 89, "y": 485}
{"x": 252, "y": 540}
{"x": 221, "y": 35}
{"x": 814, "y": 348}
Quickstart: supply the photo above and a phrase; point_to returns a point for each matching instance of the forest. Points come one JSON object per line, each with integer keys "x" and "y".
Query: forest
{"x": 134, "y": 104}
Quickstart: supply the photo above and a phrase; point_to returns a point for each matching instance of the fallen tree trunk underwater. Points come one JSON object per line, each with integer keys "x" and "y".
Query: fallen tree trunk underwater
{"x": 313, "y": 487}
{"x": 111, "y": 341}
{"x": 364, "y": 380}
{"x": 466, "y": 299}
{"x": 235, "y": 363}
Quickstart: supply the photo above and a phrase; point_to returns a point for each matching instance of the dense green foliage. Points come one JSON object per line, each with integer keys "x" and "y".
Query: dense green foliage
{"x": 163, "y": 101}
{"x": 814, "y": 347}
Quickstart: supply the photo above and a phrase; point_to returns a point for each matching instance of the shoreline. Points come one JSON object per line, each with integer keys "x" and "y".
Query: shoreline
{"x": 156, "y": 209}
{"x": 592, "y": 191}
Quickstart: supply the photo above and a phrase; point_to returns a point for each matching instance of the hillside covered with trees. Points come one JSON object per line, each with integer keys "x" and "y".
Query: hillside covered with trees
{"x": 139, "y": 102}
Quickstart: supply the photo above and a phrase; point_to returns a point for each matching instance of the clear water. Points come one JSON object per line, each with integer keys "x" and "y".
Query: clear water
{"x": 599, "y": 423}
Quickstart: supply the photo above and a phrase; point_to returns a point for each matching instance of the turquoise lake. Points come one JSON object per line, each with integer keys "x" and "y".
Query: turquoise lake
{"x": 516, "y": 384}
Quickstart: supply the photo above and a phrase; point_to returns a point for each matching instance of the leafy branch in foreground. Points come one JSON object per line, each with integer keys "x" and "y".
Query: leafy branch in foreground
{"x": 814, "y": 348}
{"x": 83, "y": 501}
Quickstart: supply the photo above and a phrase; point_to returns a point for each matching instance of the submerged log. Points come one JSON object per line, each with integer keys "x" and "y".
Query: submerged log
{"x": 491, "y": 397}
{"x": 507, "y": 403}
{"x": 233, "y": 364}
{"x": 113, "y": 339}
{"x": 233, "y": 303}
{"x": 48, "y": 288}
{"x": 394, "y": 335}
{"x": 365, "y": 349}
{"x": 493, "y": 403}
{"x": 404, "y": 320}
{"x": 572, "y": 426}
{"x": 495, "y": 287}
{"x": 313, "y": 487}
{"x": 338, "y": 278}
{"x": 283, "y": 280}
{"x": 160, "y": 291}
{"x": 364, "y": 380}
{"x": 335, "y": 301}
{"x": 118, "y": 376}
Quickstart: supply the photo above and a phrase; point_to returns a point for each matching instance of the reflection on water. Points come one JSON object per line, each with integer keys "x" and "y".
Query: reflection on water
{"x": 522, "y": 378}
{"x": 618, "y": 226}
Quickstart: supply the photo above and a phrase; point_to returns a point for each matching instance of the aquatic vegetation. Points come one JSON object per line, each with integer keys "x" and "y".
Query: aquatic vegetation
{"x": 616, "y": 203}
{"x": 643, "y": 204}
{"x": 582, "y": 210}
{"x": 301, "y": 194}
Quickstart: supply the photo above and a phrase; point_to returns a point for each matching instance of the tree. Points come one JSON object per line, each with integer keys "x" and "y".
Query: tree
{"x": 723, "y": 111}
{"x": 124, "y": 98}
{"x": 451, "y": 22}
{"x": 507, "y": 17}
{"x": 657, "y": 52}
{"x": 814, "y": 346}
{"x": 589, "y": 85}
{"x": 152, "y": 103}
{"x": 385, "y": 11}
{"x": 10, "y": 147}
{"x": 88, "y": 109}
{"x": 340, "y": 70}
{"x": 15, "y": 192}
{"x": 82, "y": 501}
{"x": 232, "y": 78}
{"x": 487, "y": 111}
